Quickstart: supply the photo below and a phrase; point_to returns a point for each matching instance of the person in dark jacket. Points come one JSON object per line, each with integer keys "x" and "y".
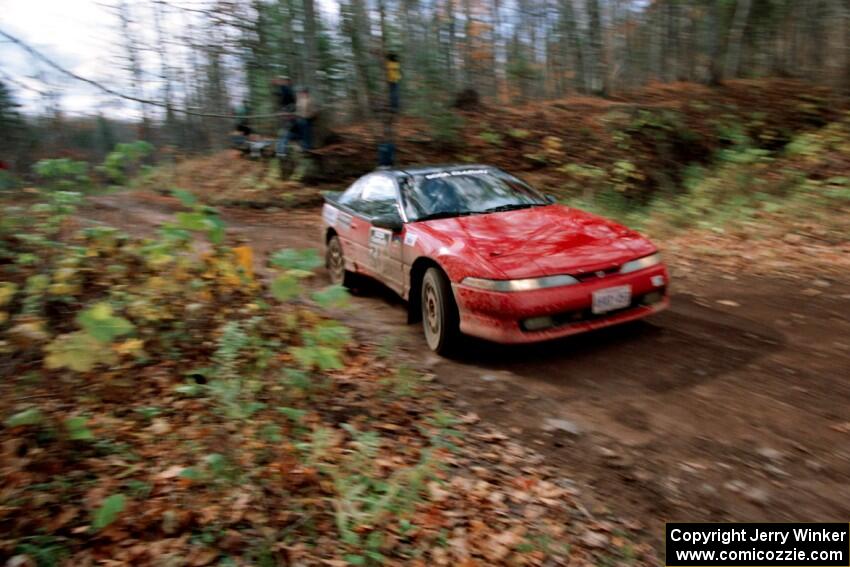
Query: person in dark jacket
{"x": 284, "y": 93}
{"x": 286, "y": 101}
{"x": 243, "y": 123}
{"x": 306, "y": 112}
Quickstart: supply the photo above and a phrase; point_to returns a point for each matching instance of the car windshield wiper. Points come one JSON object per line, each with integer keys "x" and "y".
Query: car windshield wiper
{"x": 511, "y": 207}
{"x": 445, "y": 215}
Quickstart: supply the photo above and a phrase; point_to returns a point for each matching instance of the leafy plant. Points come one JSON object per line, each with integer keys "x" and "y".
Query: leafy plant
{"x": 30, "y": 416}
{"x": 403, "y": 383}
{"x": 445, "y": 126}
{"x": 491, "y": 138}
{"x": 77, "y": 428}
{"x": 293, "y": 259}
{"x": 45, "y": 550}
{"x": 100, "y": 322}
{"x": 78, "y": 351}
{"x": 332, "y": 297}
{"x": 519, "y": 133}
{"x": 109, "y": 510}
{"x": 123, "y": 160}
{"x": 64, "y": 174}
{"x": 363, "y": 498}
{"x": 83, "y": 350}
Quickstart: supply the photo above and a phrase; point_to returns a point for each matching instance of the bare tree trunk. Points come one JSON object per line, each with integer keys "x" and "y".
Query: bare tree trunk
{"x": 165, "y": 73}
{"x": 534, "y": 90}
{"x": 668, "y": 42}
{"x": 468, "y": 72}
{"x": 715, "y": 49}
{"x": 610, "y": 41}
{"x": 846, "y": 25}
{"x": 691, "y": 41}
{"x": 815, "y": 29}
{"x": 736, "y": 36}
{"x": 311, "y": 61}
{"x": 356, "y": 29}
{"x": 215, "y": 99}
{"x": 656, "y": 44}
{"x": 450, "y": 45}
{"x": 409, "y": 43}
{"x": 293, "y": 63}
{"x": 497, "y": 49}
{"x": 573, "y": 42}
{"x": 135, "y": 67}
{"x": 596, "y": 51}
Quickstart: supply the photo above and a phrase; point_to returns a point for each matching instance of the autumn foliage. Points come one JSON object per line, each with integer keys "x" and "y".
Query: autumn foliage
{"x": 163, "y": 405}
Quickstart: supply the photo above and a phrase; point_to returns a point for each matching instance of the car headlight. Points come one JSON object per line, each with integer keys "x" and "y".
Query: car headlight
{"x": 641, "y": 263}
{"x": 520, "y": 285}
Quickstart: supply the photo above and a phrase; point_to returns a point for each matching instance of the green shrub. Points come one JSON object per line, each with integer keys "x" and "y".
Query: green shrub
{"x": 7, "y": 180}
{"x": 445, "y": 126}
{"x": 124, "y": 160}
{"x": 63, "y": 174}
{"x": 491, "y": 138}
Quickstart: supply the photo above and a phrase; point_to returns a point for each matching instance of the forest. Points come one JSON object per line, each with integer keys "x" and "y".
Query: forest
{"x": 189, "y": 65}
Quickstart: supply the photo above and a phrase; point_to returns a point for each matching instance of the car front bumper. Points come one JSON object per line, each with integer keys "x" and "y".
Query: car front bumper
{"x": 500, "y": 317}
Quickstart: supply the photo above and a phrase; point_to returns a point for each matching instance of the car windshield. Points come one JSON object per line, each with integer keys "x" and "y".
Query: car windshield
{"x": 466, "y": 192}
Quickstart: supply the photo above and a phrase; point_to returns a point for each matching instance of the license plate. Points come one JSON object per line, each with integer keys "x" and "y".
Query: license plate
{"x": 612, "y": 298}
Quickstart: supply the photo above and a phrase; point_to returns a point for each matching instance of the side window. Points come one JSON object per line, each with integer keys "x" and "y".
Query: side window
{"x": 352, "y": 194}
{"x": 378, "y": 188}
{"x": 378, "y": 196}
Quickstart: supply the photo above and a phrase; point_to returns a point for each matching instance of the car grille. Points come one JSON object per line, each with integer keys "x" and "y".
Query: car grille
{"x": 585, "y": 315}
{"x": 597, "y": 274}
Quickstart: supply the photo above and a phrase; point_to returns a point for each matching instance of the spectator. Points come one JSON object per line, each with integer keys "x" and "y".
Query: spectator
{"x": 284, "y": 94}
{"x": 286, "y": 101}
{"x": 393, "y": 78}
{"x": 306, "y": 112}
{"x": 243, "y": 124}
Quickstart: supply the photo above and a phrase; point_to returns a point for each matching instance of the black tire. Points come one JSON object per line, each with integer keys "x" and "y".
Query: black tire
{"x": 440, "y": 320}
{"x": 335, "y": 263}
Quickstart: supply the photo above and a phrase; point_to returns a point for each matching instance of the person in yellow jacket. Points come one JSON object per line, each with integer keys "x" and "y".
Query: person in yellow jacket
{"x": 393, "y": 78}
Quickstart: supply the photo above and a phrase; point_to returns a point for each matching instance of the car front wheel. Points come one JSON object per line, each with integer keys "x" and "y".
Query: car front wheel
{"x": 335, "y": 262}
{"x": 439, "y": 312}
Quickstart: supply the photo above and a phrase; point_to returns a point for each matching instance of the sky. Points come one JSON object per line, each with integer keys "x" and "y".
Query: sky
{"x": 80, "y": 35}
{"x": 84, "y": 37}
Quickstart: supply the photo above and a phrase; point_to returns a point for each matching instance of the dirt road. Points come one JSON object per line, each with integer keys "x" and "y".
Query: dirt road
{"x": 731, "y": 406}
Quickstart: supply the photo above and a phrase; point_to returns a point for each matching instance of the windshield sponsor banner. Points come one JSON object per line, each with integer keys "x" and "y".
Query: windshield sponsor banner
{"x": 758, "y": 544}
{"x": 457, "y": 172}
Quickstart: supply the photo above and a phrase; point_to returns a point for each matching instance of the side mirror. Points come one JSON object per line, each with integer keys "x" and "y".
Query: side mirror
{"x": 550, "y": 199}
{"x": 388, "y": 222}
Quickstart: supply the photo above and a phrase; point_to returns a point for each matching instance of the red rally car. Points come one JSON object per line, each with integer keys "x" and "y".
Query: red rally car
{"x": 475, "y": 250}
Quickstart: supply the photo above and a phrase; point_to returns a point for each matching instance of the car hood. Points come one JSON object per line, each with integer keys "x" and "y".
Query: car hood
{"x": 540, "y": 241}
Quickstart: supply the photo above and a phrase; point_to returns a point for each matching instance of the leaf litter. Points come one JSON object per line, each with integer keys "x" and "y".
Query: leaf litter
{"x": 163, "y": 406}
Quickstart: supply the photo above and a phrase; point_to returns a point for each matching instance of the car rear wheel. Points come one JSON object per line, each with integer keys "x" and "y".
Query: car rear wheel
{"x": 440, "y": 319}
{"x": 335, "y": 262}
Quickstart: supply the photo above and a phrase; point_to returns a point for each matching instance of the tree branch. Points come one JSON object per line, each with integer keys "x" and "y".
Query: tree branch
{"x": 38, "y": 55}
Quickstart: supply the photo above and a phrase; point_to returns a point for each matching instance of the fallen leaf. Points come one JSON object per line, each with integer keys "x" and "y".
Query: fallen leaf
{"x": 170, "y": 472}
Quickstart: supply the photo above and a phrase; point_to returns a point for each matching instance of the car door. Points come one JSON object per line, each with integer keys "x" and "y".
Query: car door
{"x": 378, "y": 249}
{"x": 351, "y": 233}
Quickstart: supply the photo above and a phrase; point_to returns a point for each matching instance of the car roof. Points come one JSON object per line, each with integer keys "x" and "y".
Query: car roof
{"x": 436, "y": 168}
